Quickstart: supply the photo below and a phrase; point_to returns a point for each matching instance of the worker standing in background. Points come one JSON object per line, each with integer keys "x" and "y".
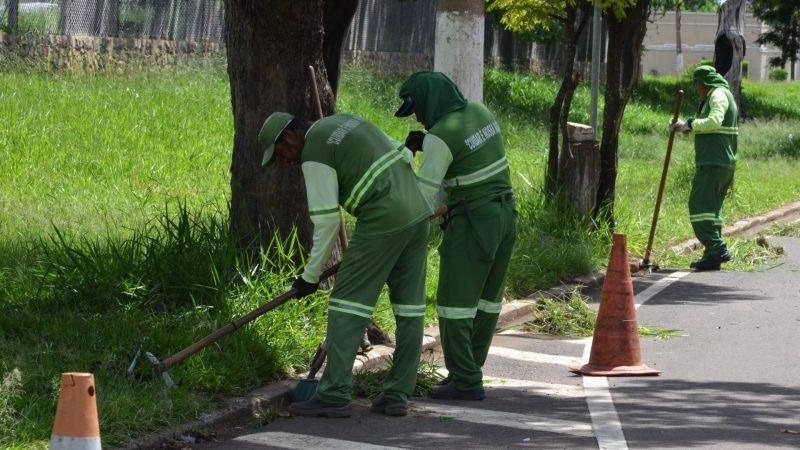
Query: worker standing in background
{"x": 463, "y": 154}
{"x": 716, "y": 132}
{"x": 348, "y": 161}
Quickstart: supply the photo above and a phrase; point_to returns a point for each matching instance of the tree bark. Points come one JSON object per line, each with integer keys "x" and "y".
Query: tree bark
{"x": 269, "y": 48}
{"x": 575, "y": 21}
{"x": 459, "y": 44}
{"x": 625, "y": 37}
{"x": 336, "y": 21}
{"x": 729, "y": 45}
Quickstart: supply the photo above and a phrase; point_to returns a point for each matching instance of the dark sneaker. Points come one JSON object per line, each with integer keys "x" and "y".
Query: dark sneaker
{"x": 450, "y": 392}
{"x": 317, "y": 408}
{"x": 725, "y": 256}
{"x": 707, "y": 264}
{"x": 395, "y": 408}
{"x": 446, "y": 380}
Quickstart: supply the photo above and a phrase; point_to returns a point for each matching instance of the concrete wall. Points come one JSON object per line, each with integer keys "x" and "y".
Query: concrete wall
{"x": 89, "y": 53}
{"x": 698, "y": 31}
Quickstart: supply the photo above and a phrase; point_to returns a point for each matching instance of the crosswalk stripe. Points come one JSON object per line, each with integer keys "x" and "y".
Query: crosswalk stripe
{"x": 550, "y": 389}
{"x": 535, "y": 357}
{"x": 507, "y": 419}
{"x": 304, "y": 441}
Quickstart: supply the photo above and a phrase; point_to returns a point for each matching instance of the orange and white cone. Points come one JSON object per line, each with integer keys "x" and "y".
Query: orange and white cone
{"x": 76, "y": 426}
{"x": 615, "y": 346}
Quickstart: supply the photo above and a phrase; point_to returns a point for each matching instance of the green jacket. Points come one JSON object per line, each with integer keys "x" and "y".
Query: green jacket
{"x": 348, "y": 161}
{"x": 463, "y": 150}
{"x": 716, "y": 130}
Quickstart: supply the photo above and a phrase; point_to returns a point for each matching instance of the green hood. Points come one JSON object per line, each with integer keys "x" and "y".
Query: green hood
{"x": 709, "y": 77}
{"x": 433, "y": 94}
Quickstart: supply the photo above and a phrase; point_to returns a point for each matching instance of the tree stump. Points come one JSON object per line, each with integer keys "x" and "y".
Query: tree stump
{"x": 729, "y": 45}
{"x": 579, "y": 169}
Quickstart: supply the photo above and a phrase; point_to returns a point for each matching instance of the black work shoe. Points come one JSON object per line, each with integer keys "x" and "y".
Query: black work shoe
{"x": 450, "y": 392}
{"x": 446, "y": 380}
{"x": 707, "y": 264}
{"x": 395, "y": 408}
{"x": 317, "y": 408}
{"x": 725, "y": 256}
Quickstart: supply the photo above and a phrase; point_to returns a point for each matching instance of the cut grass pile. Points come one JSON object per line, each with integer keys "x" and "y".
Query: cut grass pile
{"x": 113, "y": 230}
{"x": 369, "y": 384}
{"x": 572, "y": 316}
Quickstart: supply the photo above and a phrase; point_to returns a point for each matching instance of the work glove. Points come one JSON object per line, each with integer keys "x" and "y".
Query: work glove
{"x": 680, "y": 126}
{"x": 414, "y": 141}
{"x": 303, "y": 288}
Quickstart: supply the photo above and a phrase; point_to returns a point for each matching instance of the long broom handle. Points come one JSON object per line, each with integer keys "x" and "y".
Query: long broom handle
{"x": 678, "y": 101}
{"x": 236, "y": 324}
{"x": 313, "y": 74}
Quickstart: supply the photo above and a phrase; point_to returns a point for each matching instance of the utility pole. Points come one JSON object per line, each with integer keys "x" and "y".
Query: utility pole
{"x": 458, "y": 51}
{"x": 596, "y": 25}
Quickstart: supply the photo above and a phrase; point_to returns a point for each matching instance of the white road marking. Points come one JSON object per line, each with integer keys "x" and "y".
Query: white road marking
{"x": 304, "y": 441}
{"x": 535, "y": 357}
{"x": 538, "y": 387}
{"x": 605, "y": 420}
{"x": 549, "y": 389}
{"x": 655, "y": 288}
{"x": 528, "y": 422}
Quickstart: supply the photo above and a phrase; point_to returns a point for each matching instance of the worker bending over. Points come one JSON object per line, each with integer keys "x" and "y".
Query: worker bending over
{"x": 348, "y": 161}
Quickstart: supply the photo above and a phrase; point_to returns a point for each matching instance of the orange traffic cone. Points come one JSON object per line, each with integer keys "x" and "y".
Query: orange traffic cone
{"x": 615, "y": 347}
{"x": 76, "y": 426}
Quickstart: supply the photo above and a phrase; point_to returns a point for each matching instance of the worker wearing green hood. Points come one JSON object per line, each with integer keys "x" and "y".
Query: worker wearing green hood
{"x": 715, "y": 131}
{"x": 464, "y": 177}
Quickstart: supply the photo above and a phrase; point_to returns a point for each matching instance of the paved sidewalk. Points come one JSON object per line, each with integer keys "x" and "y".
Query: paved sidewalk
{"x": 729, "y": 381}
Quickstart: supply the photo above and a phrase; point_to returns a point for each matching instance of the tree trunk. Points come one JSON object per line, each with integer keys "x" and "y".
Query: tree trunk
{"x": 793, "y": 61}
{"x": 336, "y": 20}
{"x": 729, "y": 45}
{"x": 623, "y": 67}
{"x": 269, "y": 47}
{"x": 575, "y": 21}
{"x": 678, "y": 43}
{"x": 459, "y": 44}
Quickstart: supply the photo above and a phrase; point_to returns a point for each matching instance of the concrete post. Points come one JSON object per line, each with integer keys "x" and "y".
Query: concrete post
{"x": 458, "y": 51}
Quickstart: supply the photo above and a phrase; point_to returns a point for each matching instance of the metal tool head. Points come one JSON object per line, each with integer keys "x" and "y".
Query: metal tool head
{"x": 157, "y": 364}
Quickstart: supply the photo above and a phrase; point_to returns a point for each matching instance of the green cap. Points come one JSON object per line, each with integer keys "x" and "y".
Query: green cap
{"x": 708, "y": 76}
{"x": 270, "y": 131}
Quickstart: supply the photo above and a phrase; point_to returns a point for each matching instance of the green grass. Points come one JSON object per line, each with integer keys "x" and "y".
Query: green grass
{"x": 369, "y": 384}
{"x": 113, "y": 229}
{"x": 571, "y": 315}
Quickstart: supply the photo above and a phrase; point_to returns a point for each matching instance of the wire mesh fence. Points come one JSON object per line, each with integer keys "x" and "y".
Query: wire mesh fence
{"x": 187, "y": 20}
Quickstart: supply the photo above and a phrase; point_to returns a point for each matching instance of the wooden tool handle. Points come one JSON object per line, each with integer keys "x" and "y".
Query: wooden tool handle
{"x": 678, "y": 103}
{"x": 236, "y": 324}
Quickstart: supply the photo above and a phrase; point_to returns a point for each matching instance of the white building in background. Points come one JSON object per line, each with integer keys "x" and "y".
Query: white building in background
{"x": 698, "y": 31}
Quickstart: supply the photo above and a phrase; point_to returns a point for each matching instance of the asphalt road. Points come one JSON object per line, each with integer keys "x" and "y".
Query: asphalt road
{"x": 729, "y": 379}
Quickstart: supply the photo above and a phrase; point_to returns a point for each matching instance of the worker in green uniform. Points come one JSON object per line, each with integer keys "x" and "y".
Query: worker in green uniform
{"x": 463, "y": 155}
{"x": 715, "y": 144}
{"x": 348, "y": 161}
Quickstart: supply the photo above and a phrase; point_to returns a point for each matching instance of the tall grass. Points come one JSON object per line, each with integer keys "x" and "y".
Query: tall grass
{"x": 94, "y": 266}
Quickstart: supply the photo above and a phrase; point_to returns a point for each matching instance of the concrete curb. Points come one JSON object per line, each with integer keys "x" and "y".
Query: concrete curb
{"x": 743, "y": 226}
{"x": 274, "y": 395}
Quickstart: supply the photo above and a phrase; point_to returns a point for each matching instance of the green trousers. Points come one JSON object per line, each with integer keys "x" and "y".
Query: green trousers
{"x": 475, "y": 254}
{"x": 709, "y": 186}
{"x": 398, "y": 260}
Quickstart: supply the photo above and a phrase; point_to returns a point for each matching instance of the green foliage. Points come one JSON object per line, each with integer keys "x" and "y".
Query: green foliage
{"x": 686, "y": 5}
{"x": 528, "y": 15}
{"x": 783, "y": 19}
{"x": 779, "y": 74}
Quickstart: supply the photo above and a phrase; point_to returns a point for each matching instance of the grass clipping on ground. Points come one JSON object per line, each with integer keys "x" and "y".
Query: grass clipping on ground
{"x": 369, "y": 384}
{"x": 570, "y": 315}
